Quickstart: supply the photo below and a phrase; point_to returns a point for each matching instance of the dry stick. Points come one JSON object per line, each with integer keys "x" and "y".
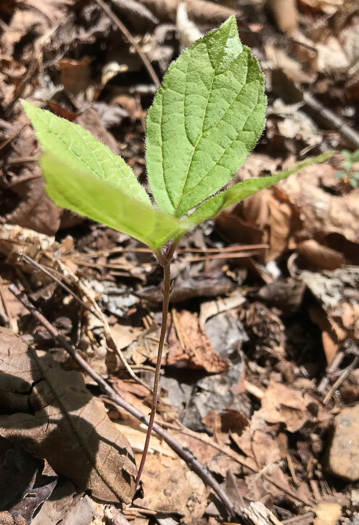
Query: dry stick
{"x": 183, "y": 453}
{"x": 108, "y": 334}
{"x": 130, "y": 38}
{"x": 113, "y": 251}
{"x": 236, "y": 457}
{"x": 340, "y": 380}
{"x": 47, "y": 272}
{"x": 332, "y": 119}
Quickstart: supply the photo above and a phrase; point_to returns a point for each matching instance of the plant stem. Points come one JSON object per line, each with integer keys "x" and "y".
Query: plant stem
{"x": 166, "y": 298}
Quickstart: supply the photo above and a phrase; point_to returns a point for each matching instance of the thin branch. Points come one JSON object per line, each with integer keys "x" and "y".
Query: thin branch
{"x": 110, "y": 340}
{"x": 130, "y": 38}
{"x": 332, "y": 119}
{"x": 47, "y": 272}
{"x": 182, "y": 452}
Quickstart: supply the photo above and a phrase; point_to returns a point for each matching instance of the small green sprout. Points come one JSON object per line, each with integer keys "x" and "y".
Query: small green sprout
{"x": 204, "y": 121}
{"x": 349, "y": 175}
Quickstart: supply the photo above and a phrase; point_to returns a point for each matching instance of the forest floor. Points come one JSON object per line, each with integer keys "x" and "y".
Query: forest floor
{"x": 260, "y": 378}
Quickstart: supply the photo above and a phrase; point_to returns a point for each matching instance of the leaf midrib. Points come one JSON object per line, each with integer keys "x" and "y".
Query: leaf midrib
{"x": 207, "y": 130}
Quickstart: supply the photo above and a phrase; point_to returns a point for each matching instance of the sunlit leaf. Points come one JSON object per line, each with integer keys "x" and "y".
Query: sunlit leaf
{"x": 90, "y": 196}
{"x": 76, "y": 147}
{"x": 204, "y": 121}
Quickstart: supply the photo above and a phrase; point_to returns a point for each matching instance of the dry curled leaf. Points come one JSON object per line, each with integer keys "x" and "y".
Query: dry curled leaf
{"x": 63, "y": 423}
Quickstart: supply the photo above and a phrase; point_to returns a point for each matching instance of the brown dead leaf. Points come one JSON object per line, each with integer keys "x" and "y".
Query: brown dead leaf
{"x": 324, "y": 213}
{"x": 190, "y": 346}
{"x": 15, "y": 240}
{"x": 21, "y": 475}
{"x": 267, "y": 217}
{"x": 169, "y": 486}
{"x": 24, "y": 201}
{"x": 319, "y": 256}
{"x": 265, "y": 449}
{"x": 282, "y": 404}
{"x": 337, "y": 313}
{"x": 75, "y": 75}
{"x": 65, "y": 423}
{"x": 33, "y": 18}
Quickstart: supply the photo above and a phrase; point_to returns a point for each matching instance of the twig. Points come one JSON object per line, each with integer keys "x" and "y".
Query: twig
{"x": 108, "y": 333}
{"x": 130, "y": 38}
{"x": 6, "y": 313}
{"x": 113, "y": 251}
{"x": 298, "y": 519}
{"x": 183, "y": 453}
{"x": 332, "y": 119}
{"x": 340, "y": 380}
{"x": 47, "y": 272}
{"x": 236, "y": 457}
{"x": 334, "y": 365}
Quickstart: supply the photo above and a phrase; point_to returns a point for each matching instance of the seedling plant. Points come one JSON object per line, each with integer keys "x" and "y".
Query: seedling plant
{"x": 349, "y": 175}
{"x": 205, "y": 119}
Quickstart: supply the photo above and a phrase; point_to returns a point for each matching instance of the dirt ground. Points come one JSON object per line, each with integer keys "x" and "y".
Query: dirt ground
{"x": 258, "y": 420}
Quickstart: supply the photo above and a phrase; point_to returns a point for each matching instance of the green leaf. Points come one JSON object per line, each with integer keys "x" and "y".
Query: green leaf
{"x": 76, "y": 147}
{"x": 347, "y": 165}
{"x": 347, "y": 154}
{"x": 204, "y": 121}
{"x": 240, "y": 191}
{"x": 340, "y": 175}
{"x": 91, "y": 196}
{"x": 353, "y": 182}
{"x": 355, "y": 155}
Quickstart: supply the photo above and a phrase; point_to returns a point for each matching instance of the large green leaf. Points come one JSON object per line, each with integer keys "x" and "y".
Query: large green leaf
{"x": 76, "y": 147}
{"x": 204, "y": 121}
{"x": 90, "y": 196}
{"x": 244, "y": 189}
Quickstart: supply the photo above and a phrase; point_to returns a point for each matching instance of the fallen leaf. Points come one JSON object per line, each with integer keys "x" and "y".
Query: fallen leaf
{"x": 75, "y": 75}
{"x": 169, "y": 486}
{"x": 268, "y": 217}
{"x": 282, "y": 404}
{"x": 322, "y": 212}
{"x": 21, "y": 476}
{"x": 67, "y": 508}
{"x": 319, "y": 256}
{"x": 64, "y": 417}
{"x": 190, "y": 346}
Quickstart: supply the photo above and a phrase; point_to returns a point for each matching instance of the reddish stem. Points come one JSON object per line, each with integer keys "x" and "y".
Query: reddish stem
{"x": 165, "y": 303}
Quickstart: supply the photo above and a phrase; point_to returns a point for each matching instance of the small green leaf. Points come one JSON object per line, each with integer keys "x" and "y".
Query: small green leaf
{"x": 240, "y": 191}
{"x": 76, "y": 147}
{"x": 90, "y": 196}
{"x": 347, "y": 165}
{"x": 204, "y": 121}
{"x": 347, "y": 154}
{"x": 356, "y": 175}
{"x": 353, "y": 182}
{"x": 341, "y": 174}
{"x": 355, "y": 156}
